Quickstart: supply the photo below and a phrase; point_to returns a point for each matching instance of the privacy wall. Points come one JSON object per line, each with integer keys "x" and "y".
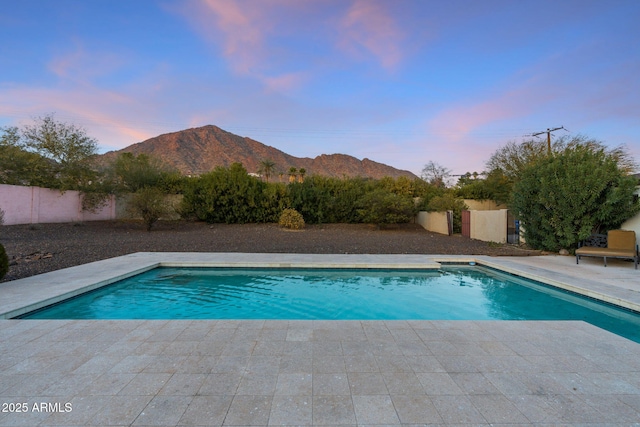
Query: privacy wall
{"x": 32, "y": 205}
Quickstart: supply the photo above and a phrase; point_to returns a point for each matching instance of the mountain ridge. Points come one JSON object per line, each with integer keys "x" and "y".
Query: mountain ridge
{"x": 199, "y": 150}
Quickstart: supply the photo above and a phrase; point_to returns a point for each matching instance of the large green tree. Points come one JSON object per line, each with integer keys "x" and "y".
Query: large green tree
{"x": 513, "y": 158}
{"x": 564, "y": 197}
{"x": 50, "y": 154}
{"x": 18, "y": 166}
{"x": 67, "y": 146}
{"x": 130, "y": 173}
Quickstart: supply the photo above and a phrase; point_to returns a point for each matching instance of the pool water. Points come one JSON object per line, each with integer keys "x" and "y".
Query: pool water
{"x": 452, "y": 293}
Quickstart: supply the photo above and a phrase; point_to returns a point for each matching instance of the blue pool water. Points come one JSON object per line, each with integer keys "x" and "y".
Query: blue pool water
{"x": 451, "y": 293}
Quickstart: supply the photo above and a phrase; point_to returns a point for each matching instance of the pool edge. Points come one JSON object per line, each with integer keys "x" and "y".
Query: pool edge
{"x": 29, "y": 294}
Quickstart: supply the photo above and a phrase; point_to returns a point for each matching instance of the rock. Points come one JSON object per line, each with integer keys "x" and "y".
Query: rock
{"x": 564, "y": 252}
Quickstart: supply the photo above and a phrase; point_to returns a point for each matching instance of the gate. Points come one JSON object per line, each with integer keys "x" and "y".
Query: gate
{"x": 466, "y": 223}
{"x": 513, "y": 229}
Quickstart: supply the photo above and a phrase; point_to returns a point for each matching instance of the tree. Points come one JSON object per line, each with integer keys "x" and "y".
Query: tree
{"x": 267, "y": 168}
{"x": 67, "y": 146}
{"x": 563, "y": 198}
{"x": 150, "y": 204}
{"x": 21, "y": 167}
{"x": 302, "y": 172}
{"x": 436, "y": 174}
{"x": 131, "y": 173}
{"x": 292, "y": 174}
{"x": 513, "y": 158}
{"x": 492, "y": 186}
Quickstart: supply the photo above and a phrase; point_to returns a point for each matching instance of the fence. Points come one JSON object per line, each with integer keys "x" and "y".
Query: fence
{"x": 32, "y": 205}
{"x": 487, "y": 225}
{"x": 438, "y": 222}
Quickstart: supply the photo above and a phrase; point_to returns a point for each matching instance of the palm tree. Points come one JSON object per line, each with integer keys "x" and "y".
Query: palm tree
{"x": 292, "y": 174}
{"x": 302, "y": 173}
{"x": 267, "y": 167}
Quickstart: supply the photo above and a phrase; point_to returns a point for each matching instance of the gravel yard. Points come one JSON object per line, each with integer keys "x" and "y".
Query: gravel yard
{"x": 39, "y": 248}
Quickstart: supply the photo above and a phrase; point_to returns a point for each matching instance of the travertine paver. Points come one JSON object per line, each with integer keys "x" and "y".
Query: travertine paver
{"x": 233, "y": 372}
{"x": 316, "y": 373}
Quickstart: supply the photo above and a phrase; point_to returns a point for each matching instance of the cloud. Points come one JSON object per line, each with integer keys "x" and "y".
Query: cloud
{"x": 243, "y": 30}
{"x": 108, "y": 120}
{"x": 284, "y": 82}
{"x": 368, "y": 26}
{"x": 80, "y": 64}
{"x": 242, "y": 33}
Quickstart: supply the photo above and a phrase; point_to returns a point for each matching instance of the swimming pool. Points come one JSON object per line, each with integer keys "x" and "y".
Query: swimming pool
{"x": 453, "y": 292}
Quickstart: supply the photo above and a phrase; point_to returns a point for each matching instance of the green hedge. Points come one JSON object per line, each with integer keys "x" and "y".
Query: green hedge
{"x": 230, "y": 195}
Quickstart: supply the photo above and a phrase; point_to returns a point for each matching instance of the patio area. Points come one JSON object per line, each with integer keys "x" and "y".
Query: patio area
{"x": 236, "y": 372}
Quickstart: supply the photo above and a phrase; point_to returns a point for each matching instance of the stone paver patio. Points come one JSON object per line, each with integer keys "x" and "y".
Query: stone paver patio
{"x": 241, "y": 373}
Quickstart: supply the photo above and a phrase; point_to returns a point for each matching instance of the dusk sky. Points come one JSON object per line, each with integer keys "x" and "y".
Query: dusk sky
{"x": 402, "y": 82}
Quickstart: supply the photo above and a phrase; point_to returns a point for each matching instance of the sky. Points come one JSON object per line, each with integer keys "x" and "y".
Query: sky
{"x": 401, "y": 82}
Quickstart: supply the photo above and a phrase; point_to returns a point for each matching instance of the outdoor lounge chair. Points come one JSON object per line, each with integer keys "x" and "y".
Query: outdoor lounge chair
{"x": 620, "y": 244}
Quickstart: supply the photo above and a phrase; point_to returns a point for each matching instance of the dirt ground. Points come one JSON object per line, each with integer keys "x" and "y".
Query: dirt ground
{"x": 40, "y": 248}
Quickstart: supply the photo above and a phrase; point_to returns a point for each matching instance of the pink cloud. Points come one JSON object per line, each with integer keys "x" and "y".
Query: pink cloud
{"x": 369, "y": 26}
{"x": 242, "y": 33}
{"x": 284, "y": 82}
{"x": 238, "y": 30}
{"x": 460, "y": 121}
{"x": 104, "y": 120}
{"x": 81, "y": 65}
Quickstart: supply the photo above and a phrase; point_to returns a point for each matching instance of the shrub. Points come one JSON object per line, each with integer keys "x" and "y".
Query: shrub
{"x": 4, "y": 262}
{"x": 327, "y": 199}
{"x": 148, "y": 203}
{"x": 292, "y": 219}
{"x": 228, "y": 195}
{"x": 381, "y": 207}
{"x": 563, "y": 198}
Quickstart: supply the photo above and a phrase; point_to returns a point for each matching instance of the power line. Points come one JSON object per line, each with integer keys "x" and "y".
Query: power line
{"x": 548, "y": 132}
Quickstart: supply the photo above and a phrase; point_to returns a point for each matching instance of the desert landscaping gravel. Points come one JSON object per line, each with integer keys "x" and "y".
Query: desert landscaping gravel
{"x": 40, "y": 248}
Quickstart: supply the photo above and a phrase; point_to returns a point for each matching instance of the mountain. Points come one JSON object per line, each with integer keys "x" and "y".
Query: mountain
{"x": 199, "y": 150}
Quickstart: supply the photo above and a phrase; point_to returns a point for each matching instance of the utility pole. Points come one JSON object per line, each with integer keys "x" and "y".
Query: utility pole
{"x": 548, "y": 132}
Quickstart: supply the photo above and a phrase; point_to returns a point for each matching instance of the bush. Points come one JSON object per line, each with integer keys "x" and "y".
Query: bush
{"x": 148, "y": 203}
{"x": 228, "y": 195}
{"x": 381, "y": 207}
{"x": 4, "y": 262}
{"x": 292, "y": 219}
{"x": 563, "y": 198}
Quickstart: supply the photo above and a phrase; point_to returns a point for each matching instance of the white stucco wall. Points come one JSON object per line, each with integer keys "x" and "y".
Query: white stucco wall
{"x": 433, "y": 221}
{"x": 489, "y": 226}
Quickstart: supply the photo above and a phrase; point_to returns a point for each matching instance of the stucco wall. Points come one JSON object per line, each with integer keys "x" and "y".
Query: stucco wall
{"x": 32, "y": 205}
{"x": 433, "y": 221}
{"x": 489, "y": 226}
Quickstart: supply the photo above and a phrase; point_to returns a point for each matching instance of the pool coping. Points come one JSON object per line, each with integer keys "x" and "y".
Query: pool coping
{"x": 28, "y": 294}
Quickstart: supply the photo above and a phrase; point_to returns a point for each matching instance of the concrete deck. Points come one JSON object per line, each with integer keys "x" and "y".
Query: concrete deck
{"x": 211, "y": 373}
